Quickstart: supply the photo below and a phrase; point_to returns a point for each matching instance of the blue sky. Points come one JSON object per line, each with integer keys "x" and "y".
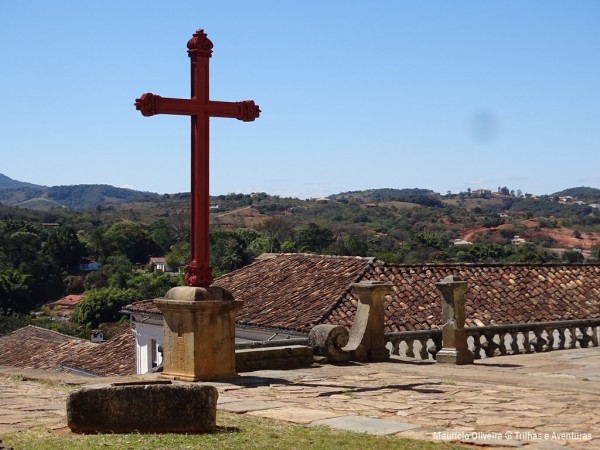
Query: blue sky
{"x": 444, "y": 95}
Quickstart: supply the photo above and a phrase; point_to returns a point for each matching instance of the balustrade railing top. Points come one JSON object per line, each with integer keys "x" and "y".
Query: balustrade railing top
{"x": 496, "y": 340}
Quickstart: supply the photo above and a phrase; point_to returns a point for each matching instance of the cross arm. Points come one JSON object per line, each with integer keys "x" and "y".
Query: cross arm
{"x": 245, "y": 111}
{"x": 150, "y": 105}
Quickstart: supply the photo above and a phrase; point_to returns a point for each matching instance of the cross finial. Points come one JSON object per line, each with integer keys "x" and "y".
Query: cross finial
{"x": 200, "y": 45}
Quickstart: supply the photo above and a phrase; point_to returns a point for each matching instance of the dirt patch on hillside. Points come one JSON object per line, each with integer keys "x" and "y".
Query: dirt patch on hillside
{"x": 564, "y": 238}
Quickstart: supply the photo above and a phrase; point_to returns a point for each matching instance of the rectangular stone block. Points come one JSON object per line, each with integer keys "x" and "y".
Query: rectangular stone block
{"x": 144, "y": 408}
{"x": 273, "y": 358}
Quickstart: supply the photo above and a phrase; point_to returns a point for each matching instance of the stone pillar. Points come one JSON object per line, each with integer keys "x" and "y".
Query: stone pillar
{"x": 367, "y": 339}
{"x": 199, "y": 333}
{"x": 454, "y": 339}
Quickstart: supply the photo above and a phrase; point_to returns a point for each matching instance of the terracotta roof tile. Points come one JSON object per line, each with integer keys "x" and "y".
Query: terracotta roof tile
{"x": 38, "y": 348}
{"x": 297, "y": 291}
{"x": 292, "y": 291}
{"x": 496, "y": 294}
{"x": 113, "y": 357}
{"x": 69, "y": 301}
{"x": 143, "y": 307}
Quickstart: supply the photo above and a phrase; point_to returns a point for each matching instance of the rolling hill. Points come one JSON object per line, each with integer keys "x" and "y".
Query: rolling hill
{"x": 79, "y": 197}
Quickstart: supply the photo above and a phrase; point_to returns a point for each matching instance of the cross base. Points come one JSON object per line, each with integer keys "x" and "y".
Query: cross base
{"x": 198, "y": 275}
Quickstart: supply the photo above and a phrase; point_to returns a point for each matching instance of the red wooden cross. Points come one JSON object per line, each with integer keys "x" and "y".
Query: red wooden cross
{"x": 200, "y": 108}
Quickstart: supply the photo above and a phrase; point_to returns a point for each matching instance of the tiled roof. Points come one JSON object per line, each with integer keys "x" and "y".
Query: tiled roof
{"x": 113, "y": 357}
{"x": 298, "y": 291}
{"x": 38, "y": 348}
{"x": 143, "y": 307}
{"x": 68, "y": 301}
{"x": 292, "y": 291}
{"x": 496, "y": 294}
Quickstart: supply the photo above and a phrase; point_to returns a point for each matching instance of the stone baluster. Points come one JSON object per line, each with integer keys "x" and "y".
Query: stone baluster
{"x": 561, "y": 339}
{"x": 476, "y": 345}
{"x": 514, "y": 342}
{"x": 437, "y": 343}
{"x": 550, "y": 338}
{"x": 490, "y": 345}
{"x": 423, "y": 351}
{"x": 585, "y": 338}
{"x": 538, "y": 342}
{"x": 396, "y": 347}
{"x": 502, "y": 345}
{"x": 454, "y": 339}
{"x": 410, "y": 352}
{"x": 595, "y": 331}
{"x": 573, "y": 333}
{"x": 526, "y": 344}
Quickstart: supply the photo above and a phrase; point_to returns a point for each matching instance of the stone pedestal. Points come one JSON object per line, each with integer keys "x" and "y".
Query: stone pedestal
{"x": 199, "y": 333}
{"x": 454, "y": 339}
{"x": 367, "y": 339}
{"x": 143, "y": 408}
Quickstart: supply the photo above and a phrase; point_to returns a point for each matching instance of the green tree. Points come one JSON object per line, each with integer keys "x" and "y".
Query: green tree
{"x": 153, "y": 285}
{"x": 276, "y": 229}
{"x": 103, "y": 305}
{"x": 163, "y": 234}
{"x": 313, "y": 238}
{"x": 350, "y": 245}
{"x": 572, "y": 256}
{"x": 114, "y": 273}
{"x": 64, "y": 248}
{"x": 21, "y": 248}
{"x": 228, "y": 251}
{"x": 15, "y": 292}
{"x": 132, "y": 240}
{"x": 178, "y": 256}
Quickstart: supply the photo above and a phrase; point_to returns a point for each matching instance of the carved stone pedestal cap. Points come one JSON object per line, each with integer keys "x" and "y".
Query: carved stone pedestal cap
{"x": 190, "y": 293}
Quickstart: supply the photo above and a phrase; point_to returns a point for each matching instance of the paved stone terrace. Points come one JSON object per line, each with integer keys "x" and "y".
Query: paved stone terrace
{"x": 543, "y": 401}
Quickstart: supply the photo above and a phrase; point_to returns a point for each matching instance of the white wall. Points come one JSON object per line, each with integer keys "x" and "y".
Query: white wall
{"x": 146, "y": 334}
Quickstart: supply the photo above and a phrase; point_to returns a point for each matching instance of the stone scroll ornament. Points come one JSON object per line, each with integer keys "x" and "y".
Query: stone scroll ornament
{"x": 366, "y": 339}
{"x": 200, "y": 108}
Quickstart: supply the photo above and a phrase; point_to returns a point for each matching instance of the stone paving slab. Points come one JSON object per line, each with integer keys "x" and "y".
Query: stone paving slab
{"x": 226, "y": 399}
{"x": 243, "y": 406}
{"x": 295, "y": 414}
{"x": 361, "y": 424}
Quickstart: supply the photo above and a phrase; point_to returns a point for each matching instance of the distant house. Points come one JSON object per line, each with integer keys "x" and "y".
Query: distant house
{"x": 517, "y": 240}
{"x": 89, "y": 266}
{"x": 484, "y": 193}
{"x": 566, "y": 199}
{"x": 461, "y": 242}
{"x": 157, "y": 264}
{"x": 65, "y": 306}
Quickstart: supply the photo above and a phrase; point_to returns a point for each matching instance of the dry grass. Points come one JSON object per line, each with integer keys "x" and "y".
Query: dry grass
{"x": 235, "y": 432}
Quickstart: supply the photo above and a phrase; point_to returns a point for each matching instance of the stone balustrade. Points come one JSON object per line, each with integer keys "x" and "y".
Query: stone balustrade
{"x": 497, "y": 340}
{"x": 484, "y": 342}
